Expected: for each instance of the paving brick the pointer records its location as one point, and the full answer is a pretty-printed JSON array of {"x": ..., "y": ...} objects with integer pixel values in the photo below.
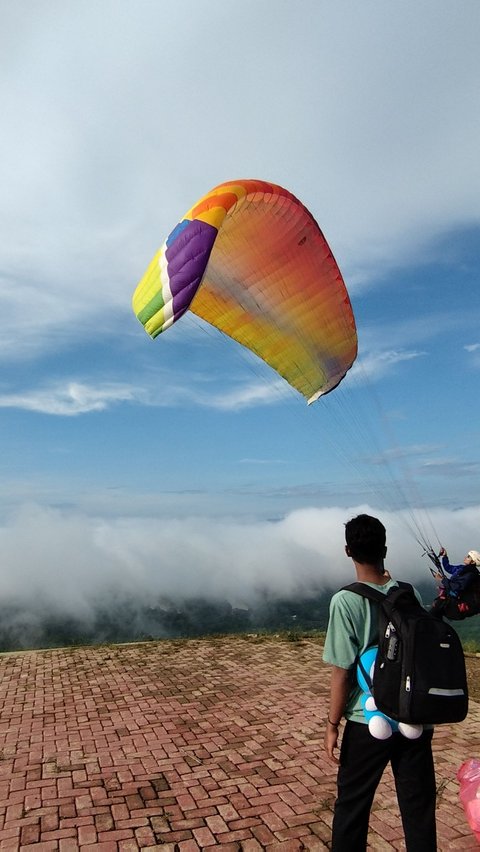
[
  {"x": 87, "y": 834},
  {"x": 263, "y": 834},
  {"x": 216, "y": 824},
  {"x": 68, "y": 845},
  {"x": 234, "y": 836},
  {"x": 174, "y": 836},
  {"x": 127, "y": 846},
  {"x": 117, "y": 836},
  {"x": 228, "y": 812},
  {"x": 29, "y": 834},
  {"x": 312, "y": 844},
  {"x": 204, "y": 837},
  {"x": 104, "y": 821},
  {"x": 144, "y": 836}
]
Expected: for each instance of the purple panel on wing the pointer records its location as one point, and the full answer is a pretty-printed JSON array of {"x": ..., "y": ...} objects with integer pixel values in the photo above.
[{"x": 187, "y": 258}]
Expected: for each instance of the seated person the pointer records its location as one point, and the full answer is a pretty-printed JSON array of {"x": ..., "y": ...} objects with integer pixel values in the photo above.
[
  {"x": 459, "y": 577},
  {"x": 456, "y": 580}
]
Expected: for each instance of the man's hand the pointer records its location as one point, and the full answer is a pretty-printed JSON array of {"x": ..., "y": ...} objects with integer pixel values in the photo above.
[
  {"x": 330, "y": 742},
  {"x": 339, "y": 690}
]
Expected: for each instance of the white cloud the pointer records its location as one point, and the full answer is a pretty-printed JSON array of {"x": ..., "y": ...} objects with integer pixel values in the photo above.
[
  {"x": 449, "y": 468},
  {"x": 248, "y": 395},
  {"x": 375, "y": 365},
  {"x": 69, "y": 399},
  {"x": 472, "y": 347},
  {"x": 74, "y": 397}
]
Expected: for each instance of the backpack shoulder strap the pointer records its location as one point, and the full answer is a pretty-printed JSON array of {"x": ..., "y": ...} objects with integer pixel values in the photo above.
[
  {"x": 364, "y": 591},
  {"x": 373, "y": 594}
]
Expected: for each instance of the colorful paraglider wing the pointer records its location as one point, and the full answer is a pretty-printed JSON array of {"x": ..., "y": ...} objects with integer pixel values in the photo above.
[{"x": 250, "y": 260}]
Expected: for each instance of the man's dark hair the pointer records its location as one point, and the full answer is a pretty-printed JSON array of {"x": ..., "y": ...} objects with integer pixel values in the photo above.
[{"x": 365, "y": 537}]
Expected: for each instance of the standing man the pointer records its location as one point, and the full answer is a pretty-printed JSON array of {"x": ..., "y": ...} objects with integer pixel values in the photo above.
[{"x": 352, "y": 628}]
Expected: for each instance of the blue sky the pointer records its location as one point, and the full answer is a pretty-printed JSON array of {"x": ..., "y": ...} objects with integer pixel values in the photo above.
[{"x": 116, "y": 117}]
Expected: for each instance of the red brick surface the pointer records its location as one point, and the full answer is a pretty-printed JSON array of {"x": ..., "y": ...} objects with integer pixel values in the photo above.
[{"x": 187, "y": 745}]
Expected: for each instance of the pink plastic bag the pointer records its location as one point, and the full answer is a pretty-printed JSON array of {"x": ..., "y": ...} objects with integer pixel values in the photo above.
[{"x": 469, "y": 778}]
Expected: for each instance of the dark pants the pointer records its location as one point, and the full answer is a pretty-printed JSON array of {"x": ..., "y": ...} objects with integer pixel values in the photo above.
[{"x": 362, "y": 762}]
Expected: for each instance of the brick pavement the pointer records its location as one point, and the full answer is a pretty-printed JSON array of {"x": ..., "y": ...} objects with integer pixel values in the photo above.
[{"x": 184, "y": 746}]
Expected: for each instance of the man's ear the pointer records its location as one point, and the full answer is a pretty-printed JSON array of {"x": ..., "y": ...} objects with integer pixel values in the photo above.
[
  {"x": 385, "y": 552},
  {"x": 347, "y": 550}
]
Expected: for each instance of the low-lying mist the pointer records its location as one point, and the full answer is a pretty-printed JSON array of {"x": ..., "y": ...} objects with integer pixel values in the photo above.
[{"x": 65, "y": 577}]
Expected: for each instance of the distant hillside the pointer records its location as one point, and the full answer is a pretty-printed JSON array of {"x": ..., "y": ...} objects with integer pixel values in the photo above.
[{"x": 129, "y": 620}]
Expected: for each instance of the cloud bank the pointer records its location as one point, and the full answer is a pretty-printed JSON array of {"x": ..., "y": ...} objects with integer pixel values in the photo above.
[{"x": 67, "y": 562}]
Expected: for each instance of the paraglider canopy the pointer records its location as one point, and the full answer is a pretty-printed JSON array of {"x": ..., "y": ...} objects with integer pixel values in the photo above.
[{"x": 250, "y": 259}]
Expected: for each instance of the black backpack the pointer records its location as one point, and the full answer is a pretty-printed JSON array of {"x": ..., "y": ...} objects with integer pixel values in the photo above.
[{"x": 419, "y": 674}]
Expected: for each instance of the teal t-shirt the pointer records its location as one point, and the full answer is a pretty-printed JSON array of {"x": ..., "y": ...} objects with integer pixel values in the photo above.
[{"x": 352, "y": 628}]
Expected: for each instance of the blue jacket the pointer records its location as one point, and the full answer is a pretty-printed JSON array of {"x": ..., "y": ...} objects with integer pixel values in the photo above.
[{"x": 461, "y": 576}]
